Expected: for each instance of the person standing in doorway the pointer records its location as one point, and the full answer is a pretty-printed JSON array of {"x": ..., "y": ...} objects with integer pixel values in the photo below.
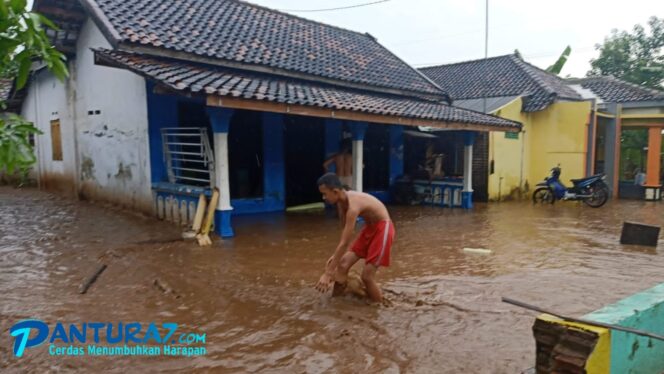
[{"x": 343, "y": 161}]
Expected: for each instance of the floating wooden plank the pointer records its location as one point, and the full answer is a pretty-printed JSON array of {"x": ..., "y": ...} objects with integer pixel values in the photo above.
[
  {"x": 479, "y": 251},
  {"x": 640, "y": 234},
  {"x": 306, "y": 207}
]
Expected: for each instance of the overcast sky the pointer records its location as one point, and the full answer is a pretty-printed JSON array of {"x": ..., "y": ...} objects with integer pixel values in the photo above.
[
  {"x": 428, "y": 32},
  {"x": 431, "y": 32}
]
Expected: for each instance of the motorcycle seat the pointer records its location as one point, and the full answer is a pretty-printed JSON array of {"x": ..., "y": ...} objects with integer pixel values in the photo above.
[{"x": 575, "y": 181}]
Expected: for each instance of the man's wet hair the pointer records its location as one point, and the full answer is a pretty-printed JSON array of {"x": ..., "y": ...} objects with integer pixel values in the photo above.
[{"x": 331, "y": 181}]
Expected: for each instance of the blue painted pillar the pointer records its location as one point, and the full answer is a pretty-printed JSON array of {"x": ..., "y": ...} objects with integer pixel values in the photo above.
[
  {"x": 274, "y": 166},
  {"x": 467, "y": 193},
  {"x": 396, "y": 153},
  {"x": 333, "y": 129},
  {"x": 358, "y": 129},
  {"x": 162, "y": 112},
  {"x": 220, "y": 118}
]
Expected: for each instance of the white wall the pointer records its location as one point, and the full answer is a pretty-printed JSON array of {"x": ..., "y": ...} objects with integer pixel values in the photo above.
[
  {"x": 110, "y": 159},
  {"x": 47, "y": 100}
]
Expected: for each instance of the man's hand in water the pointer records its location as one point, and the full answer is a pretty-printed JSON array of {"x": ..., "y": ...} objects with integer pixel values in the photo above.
[{"x": 326, "y": 280}]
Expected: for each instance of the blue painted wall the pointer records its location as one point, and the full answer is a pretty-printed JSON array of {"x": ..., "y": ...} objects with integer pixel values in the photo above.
[
  {"x": 359, "y": 129},
  {"x": 643, "y": 311},
  {"x": 162, "y": 112},
  {"x": 274, "y": 172}
]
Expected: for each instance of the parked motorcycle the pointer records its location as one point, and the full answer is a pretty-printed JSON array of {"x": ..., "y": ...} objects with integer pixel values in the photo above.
[{"x": 591, "y": 190}]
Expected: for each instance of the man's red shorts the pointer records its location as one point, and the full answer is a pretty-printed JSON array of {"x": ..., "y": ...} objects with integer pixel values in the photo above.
[{"x": 375, "y": 242}]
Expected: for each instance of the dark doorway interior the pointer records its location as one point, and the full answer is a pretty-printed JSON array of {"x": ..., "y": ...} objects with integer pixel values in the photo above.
[
  {"x": 245, "y": 155},
  {"x": 376, "y": 154},
  {"x": 481, "y": 167},
  {"x": 305, "y": 144}
]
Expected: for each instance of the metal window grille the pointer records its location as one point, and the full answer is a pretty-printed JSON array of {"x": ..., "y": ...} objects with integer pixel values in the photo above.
[{"x": 188, "y": 156}]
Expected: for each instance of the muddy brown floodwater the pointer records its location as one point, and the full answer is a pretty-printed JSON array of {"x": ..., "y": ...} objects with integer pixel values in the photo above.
[{"x": 253, "y": 296}]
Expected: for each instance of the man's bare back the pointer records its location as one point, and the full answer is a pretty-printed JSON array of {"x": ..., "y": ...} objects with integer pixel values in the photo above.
[
  {"x": 344, "y": 163},
  {"x": 366, "y": 206}
]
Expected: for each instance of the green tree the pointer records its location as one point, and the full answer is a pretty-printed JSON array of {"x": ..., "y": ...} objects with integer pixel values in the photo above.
[
  {"x": 635, "y": 57},
  {"x": 23, "y": 40}
]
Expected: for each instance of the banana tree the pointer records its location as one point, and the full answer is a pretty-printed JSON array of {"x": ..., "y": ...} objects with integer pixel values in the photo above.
[{"x": 557, "y": 67}]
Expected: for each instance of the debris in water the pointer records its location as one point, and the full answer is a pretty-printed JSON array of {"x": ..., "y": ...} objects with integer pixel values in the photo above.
[
  {"x": 189, "y": 235},
  {"x": 639, "y": 234},
  {"x": 84, "y": 287},
  {"x": 164, "y": 288},
  {"x": 479, "y": 251}
]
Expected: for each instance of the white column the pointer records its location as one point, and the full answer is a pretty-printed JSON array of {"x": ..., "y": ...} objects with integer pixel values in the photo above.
[
  {"x": 358, "y": 161},
  {"x": 468, "y": 168},
  {"x": 220, "y": 119},
  {"x": 358, "y": 129},
  {"x": 221, "y": 170},
  {"x": 467, "y": 193}
]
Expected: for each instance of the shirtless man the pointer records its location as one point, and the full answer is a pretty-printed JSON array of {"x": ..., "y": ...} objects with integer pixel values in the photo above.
[
  {"x": 373, "y": 244},
  {"x": 343, "y": 161}
]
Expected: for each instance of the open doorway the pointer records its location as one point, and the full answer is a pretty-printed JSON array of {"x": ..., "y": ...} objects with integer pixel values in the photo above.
[
  {"x": 633, "y": 162},
  {"x": 304, "y": 148},
  {"x": 245, "y": 155},
  {"x": 376, "y": 156}
]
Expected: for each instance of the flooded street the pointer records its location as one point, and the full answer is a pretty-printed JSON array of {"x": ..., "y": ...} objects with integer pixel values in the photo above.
[{"x": 253, "y": 296}]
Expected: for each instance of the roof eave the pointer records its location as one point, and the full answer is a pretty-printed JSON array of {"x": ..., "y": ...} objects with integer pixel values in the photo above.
[
  {"x": 256, "y": 68},
  {"x": 102, "y": 22},
  {"x": 317, "y": 111},
  {"x": 305, "y": 110}
]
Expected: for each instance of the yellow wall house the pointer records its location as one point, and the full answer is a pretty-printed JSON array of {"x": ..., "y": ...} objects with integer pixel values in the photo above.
[
  {"x": 628, "y": 128},
  {"x": 555, "y": 122}
]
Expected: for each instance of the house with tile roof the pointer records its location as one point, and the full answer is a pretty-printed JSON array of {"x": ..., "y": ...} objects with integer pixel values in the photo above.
[
  {"x": 171, "y": 98},
  {"x": 626, "y": 135},
  {"x": 12, "y": 98},
  {"x": 555, "y": 122}
]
